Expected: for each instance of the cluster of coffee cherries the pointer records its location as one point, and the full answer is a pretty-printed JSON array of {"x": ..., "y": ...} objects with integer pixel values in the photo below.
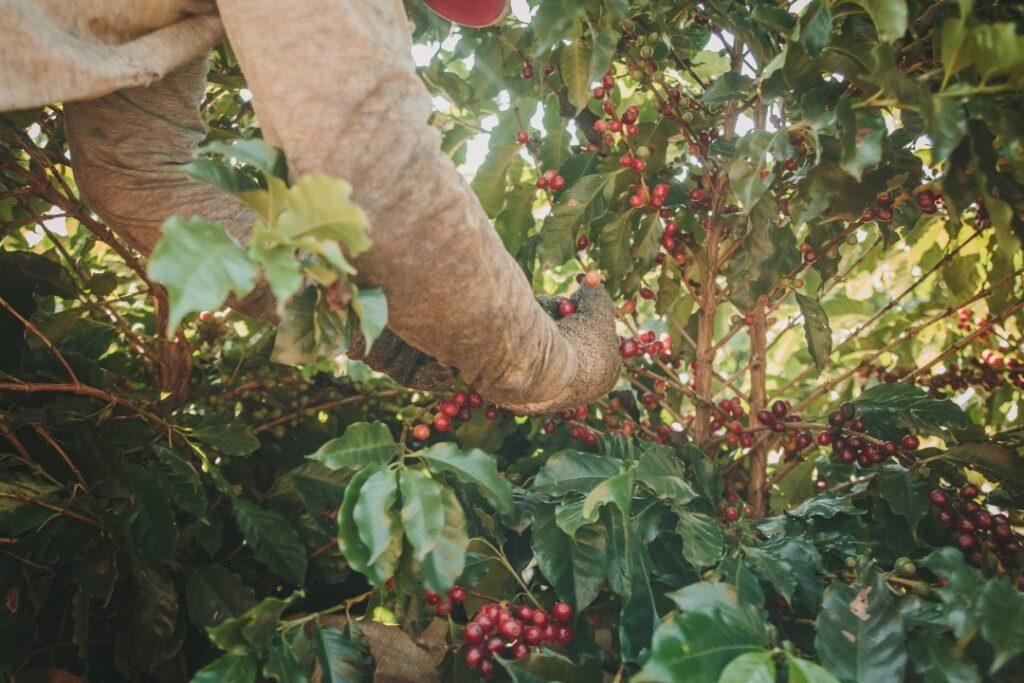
[
  {"x": 574, "y": 417},
  {"x": 647, "y": 344},
  {"x": 512, "y": 631},
  {"x": 881, "y": 211},
  {"x": 658, "y": 194},
  {"x": 459, "y": 406},
  {"x": 974, "y": 528},
  {"x": 847, "y": 441},
  {"x": 699, "y": 146},
  {"x": 527, "y": 72},
  {"x": 673, "y": 242},
  {"x": 456, "y": 596},
  {"x": 990, "y": 371},
  {"x": 551, "y": 179},
  {"x": 928, "y": 201}
]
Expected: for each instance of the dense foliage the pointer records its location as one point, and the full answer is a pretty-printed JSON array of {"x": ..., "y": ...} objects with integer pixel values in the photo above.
[{"x": 810, "y": 471}]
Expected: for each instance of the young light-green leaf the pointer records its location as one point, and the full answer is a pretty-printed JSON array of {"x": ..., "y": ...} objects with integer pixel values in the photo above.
[
  {"x": 445, "y": 562},
  {"x": 374, "y": 513},
  {"x": 200, "y": 265},
  {"x": 362, "y": 444},
  {"x": 422, "y": 511}
]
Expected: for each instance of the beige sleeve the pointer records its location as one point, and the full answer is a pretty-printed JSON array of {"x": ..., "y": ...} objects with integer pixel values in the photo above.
[
  {"x": 335, "y": 86},
  {"x": 126, "y": 149}
]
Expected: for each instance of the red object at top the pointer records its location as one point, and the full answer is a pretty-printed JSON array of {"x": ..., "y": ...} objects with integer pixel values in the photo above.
[{"x": 472, "y": 13}]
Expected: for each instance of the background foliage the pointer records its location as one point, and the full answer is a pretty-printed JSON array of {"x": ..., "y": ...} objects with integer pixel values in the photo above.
[{"x": 816, "y": 204}]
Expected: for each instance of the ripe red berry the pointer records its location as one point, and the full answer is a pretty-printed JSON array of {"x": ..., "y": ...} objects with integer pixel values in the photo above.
[
  {"x": 520, "y": 650},
  {"x": 592, "y": 278},
  {"x": 599, "y": 93},
  {"x": 533, "y": 635},
  {"x": 910, "y": 442},
  {"x": 698, "y": 195},
  {"x": 473, "y": 656},
  {"x": 457, "y": 594},
  {"x": 206, "y": 316},
  {"x": 939, "y": 498},
  {"x": 510, "y": 629},
  {"x": 557, "y": 183},
  {"x": 433, "y": 598},
  {"x": 966, "y": 542},
  {"x": 646, "y": 293},
  {"x": 522, "y": 137},
  {"x": 779, "y": 409},
  {"x": 969, "y": 491},
  {"x": 421, "y": 432},
  {"x": 561, "y": 612},
  {"x": 731, "y": 514},
  {"x": 565, "y": 636},
  {"x": 582, "y": 243},
  {"x": 474, "y": 633},
  {"x": 945, "y": 517}
]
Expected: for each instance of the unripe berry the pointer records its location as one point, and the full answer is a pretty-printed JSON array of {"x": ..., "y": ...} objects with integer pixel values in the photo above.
[{"x": 592, "y": 278}]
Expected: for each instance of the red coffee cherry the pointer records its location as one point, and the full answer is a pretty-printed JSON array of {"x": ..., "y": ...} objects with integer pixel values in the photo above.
[
  {"x": 561, "y": 612},
  {"x": 421, "y": 432},
  {"x": 457, "y": 594}
]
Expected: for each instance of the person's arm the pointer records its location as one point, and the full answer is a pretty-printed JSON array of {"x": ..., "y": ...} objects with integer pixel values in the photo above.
[
  {"x": 335, "y": 86},
  {"x": 126, "y": 150}
]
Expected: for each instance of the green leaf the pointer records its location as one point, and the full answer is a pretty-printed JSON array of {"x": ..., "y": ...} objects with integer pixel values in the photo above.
[
  {"x": 319, "y": 207},
  {"x": 860, "y": 634},
  {"x": 553, "y": 22},
  {"x": 906, "y": 494},
  {"x": 582, "y": 199},
  {"x": 273, "y": 540},
  {"x": 864, "y": 135},
  {"x": 180, "y": 482},
  {"x": 752, "y": 667},
  {"x": 816, "y": 330},
  {"x": 255, "y": 152},
  {"x": 446, "y": 562},
  {"x": 362, "y": 444},
  {"x": 309, "y": 330},
  {"x": 728, "y": 87},
  {"x": 576, "y": 566},
  {"x": 199, "y": 265},
  {"x": 341, "y": 659},
  {"x": 665, "y": 474},
  {"x": 349, "y": 542},
  {"x": 615, "y": 240},
  {"x": 825, "y": 507},
  {"x": 371, "y": 305},
  {"x": 214, "y": 593},
  {"x": 282, "y": 664},
  {"x": 816, "y": 27},
  {"x": 1002, "y": 609},
  {"x": 575, "y": 71},
  {"x": 960, "y": 595},
  {"x": 890, "y": 409},
  {"x": 617, "y": 491},
  {"x": 774, "y": 568},
  {"x": 376, "y": 520},
  {"x": 890, "y": 17},
  {"x": 696, "y": 645},
  {"x": 471, "y": 467},
  {"x": 802, "y": 670},
  {"x": 544, "y": 666},
  {"x": 422, "y": 511},
  {"x": 936, "y": 659},
  {"x": 571, "y": 470},
  {"x": 749, "y": 160},
  {"x": 996, "y": 461},
  {"x": 236, "y": 668},
  {"x": 491, "y": 180},
  {"x": 231, "y": 439},
  {"x": 150, "y": 519},
  {"x": 702, "y": 538}
]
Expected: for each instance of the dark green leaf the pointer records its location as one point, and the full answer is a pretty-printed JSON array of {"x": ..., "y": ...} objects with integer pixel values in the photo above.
[
  {"x": 890, "y": 409},
  {"x": 214, "y": 593},
  {"x": 544, "y": 666},
  {"x": 663, "y": 471},
  {"x": 150, "y": 519},
  {"x": 576, "y": 567},
  {"x": 575, "y": 71},
  {"x": 752, "y": 667},
  {"x": 445, "y": 563},
  {"x": 816, "y": 330},
  {"x": 273, "y": 540},
  {"x": 702, "y": 538},
  {"x": 422, "y": 511},
  {"x": 471, "y": 467},
  {"x": 376, "y": 519},
  {"x": 231, "y": 439},
  {"x": 231, "y": 668}
]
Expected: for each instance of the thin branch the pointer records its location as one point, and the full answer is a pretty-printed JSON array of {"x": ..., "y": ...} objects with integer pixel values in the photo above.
[{"x": 42, "y": 337}]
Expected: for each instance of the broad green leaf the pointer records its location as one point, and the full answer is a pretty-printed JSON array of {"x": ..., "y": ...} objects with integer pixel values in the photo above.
[
  {"x": 273, "y": 540},
  {"x": 200, "y": 265},
  {"x": 752, "y": 667},
  {"x": 962, "y": 592},
  {"x": 575, "y": 71},
  {"x": 615, "y": 241},
  {"x": 221, "y": 175},
  {"x": 320, "y": 207},
  {"x": 575, "y": 567},
  {"x": 702, "y": 538},
  {"x": 231, "y": 439},
  {"x": 747, "y": 164},
  {"x": 774, "y": 568},
  {"x": 254, "y": 152},
  {"x": 149, "y": 517},
  {"x": 727, "y": 87},
  {"x": 214, "y": 593},
  {"x": 422, "y": 511},
  {"x": 890, "y": 17},
  {"x": 889, "y": 410},
  {"x": 371, "y": 305},
  {"x": 376, "y": 520},
  {"x": 805, "y": 671},
  {"x": 860, "y": 634},
  {"x": 491, "y": 180},
  {"x": 362, "y": 444},
  {"x": 1002, "y": 609},
  {"x": 544, "y": 666},
  {"x": 825, "y": 507},
  {"x": 180, "y": 481},
  {"x": 996, "y": 461},
  {"x": 864, "y": 135},
  {"x": 661, "y": 470},
  {"x": 446, "y": 561},
  {"x": 282, "y": 664},
  {"x": 936, "y": 659},
  {"x": 255, "y": 629},
  {"x": 231, "y": 668},
  {"x": 471, "y": 467},
  {"x": 617, "y": 491},
  {"x": 582, "y": 199},
  {"x": 349, "y": 543},
  {"x": 309, "y": 330},
  {"x": 341, "y": 659},
  {"x": 816, "y": 27},
  {"x": 516, "y": 219},
  {"x": 553, "y": 23},
  {"x": 906, "y": 494},
  {"x": 629, "y": 574},
  {"x": 816, "y": 330}
]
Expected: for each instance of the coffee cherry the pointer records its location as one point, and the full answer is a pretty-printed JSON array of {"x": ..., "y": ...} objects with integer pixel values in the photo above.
[
  {"x": 945, "y": 518},
  {"x": 646, "y": 293},
  {"x": 910, "y": 442},
  {"x": 510, "y": 629},
  {"x": 592, "y": 278},
  {"x": 474, "y": 633},
  {"x": 824, "y": 438},
  {"x": 557, "y": 183},
  {"x": 421, "y": 432},
  {"x": 522, "y": 137},
  {"x": 599, "y": 93},
  {"x": 939, "y": 498},
  {"x": 474, "y": 656},
  {"x": 566, "y": 308},
  {"x": 731, "y": 515},
  {"x": 969, "y": 491},
  {"x": 457, "y": 594},
  {"x": 966, "y": 542},
  {"x": 561, "y": 612},
  {"x": 433, "y": 598},
  {"x": 533, "y": 635},
  {"x": 698, "y": 195},
  {"x": 582, "y": 243},
  {"x": 520, "y": 650},
  {"x": 494, "y": 644},
  {"x": 442, "y": 422},
  {"x": 779, "y": 409},
  {"x": 486, "y": 668}
]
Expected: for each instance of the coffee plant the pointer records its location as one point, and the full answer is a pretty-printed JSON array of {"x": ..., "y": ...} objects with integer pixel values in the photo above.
[{"x": 810, "y": 217}]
